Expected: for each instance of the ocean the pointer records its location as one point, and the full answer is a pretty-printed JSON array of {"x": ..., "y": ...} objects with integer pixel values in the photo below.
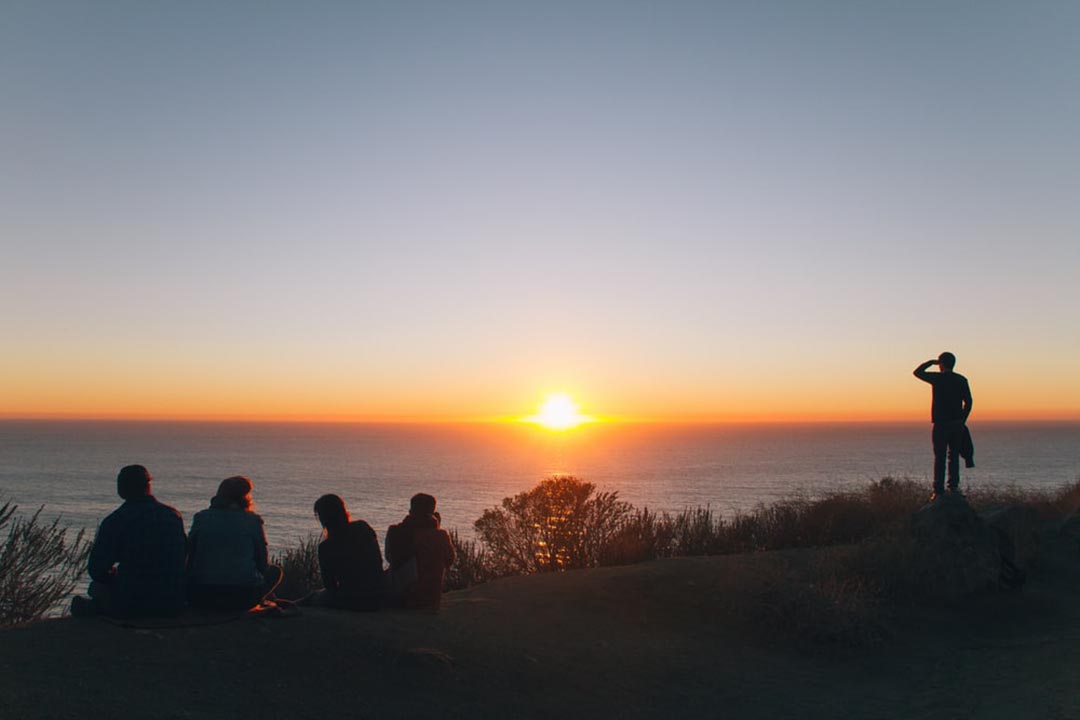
[{"x": 70, "y": 466}]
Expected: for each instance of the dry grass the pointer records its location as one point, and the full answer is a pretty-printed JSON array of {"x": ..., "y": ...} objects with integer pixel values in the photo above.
[
  {"x": 816, "y": 604},
  {"x": 39, "y": 565},
  {"x": 836, "y": 600},
  {"x": 300, "y": 564},
  {"x": 1053, "y": 504},
  {"x": 472, "y": 566},
  {"x": 517, "y": 538},
  {"x": 834, "y": 519},
  {"x": 563, "y": 523}
]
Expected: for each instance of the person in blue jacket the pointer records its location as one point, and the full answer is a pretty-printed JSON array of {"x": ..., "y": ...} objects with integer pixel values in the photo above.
[{"x": 228, "y": 567}]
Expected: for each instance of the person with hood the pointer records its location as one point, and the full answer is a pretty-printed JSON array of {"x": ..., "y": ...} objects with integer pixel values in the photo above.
[{"x": 419, "y": 553}]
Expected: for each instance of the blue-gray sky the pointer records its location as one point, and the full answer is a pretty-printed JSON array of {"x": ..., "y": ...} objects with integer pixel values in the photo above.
[{"x": 723, "y": 210}]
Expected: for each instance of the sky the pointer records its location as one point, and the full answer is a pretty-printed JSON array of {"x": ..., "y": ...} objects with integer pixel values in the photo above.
[{"x": 733, "y": 211}]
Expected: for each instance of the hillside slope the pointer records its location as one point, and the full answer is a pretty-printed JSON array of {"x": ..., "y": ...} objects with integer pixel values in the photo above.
[{"x": 648, "y": 640}]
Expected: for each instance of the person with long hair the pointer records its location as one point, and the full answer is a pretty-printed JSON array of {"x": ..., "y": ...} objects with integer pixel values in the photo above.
[
  {"x": 349, "y": 559},
  {"x": 228, "y": 567}
]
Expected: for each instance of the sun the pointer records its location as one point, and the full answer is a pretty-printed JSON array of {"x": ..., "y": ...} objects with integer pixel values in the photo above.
[{"x": 559, "y": 412}]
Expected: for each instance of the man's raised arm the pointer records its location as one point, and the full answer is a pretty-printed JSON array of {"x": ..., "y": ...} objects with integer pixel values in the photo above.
[{"x": 920, "y": 372}]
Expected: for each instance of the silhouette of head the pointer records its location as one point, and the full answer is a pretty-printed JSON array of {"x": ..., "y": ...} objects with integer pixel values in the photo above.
[
  {"x": 235, "y": 490},
  {"x": 422, "y": 504},
  {"x": 133, "y": 481},
  {"x": 946, "y": 361},
  {"x": 330, "y": 509}
]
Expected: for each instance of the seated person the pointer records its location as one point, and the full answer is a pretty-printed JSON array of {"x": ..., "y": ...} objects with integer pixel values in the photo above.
[
  {"x": 349, "y": 559},
  {"x": 228, "y": 567},
  {"x": 419, "y": 552},
  {"x": 136, "y": 565}
]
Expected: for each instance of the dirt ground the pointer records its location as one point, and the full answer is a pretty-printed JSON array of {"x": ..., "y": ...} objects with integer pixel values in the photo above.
[{"x": 645, "y": 641}]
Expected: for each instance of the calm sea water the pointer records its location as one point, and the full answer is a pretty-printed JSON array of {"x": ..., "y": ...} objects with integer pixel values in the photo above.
[{"x": 70, "y": 467}]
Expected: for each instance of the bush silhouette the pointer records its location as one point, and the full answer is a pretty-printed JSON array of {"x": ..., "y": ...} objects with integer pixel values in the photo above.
[
  {"x": 561, "y": 524},
  {"x": 39, "y": 565},
  {"x": 472, "y": 566}
]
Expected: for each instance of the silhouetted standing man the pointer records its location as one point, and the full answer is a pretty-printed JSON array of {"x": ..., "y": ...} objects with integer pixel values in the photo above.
[{"x": 949, "y": 412}]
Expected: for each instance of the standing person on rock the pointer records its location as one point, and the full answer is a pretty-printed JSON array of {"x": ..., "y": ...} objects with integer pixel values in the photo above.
[{"x": 949, "y": 413}]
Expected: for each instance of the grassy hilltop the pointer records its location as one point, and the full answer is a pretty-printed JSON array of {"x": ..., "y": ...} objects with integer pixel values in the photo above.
[
  {"x": 769, "y": 629},
  {"x": 648, "y": 640}
]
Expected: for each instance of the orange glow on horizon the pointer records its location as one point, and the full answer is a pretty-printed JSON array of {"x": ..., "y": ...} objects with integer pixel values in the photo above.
[
  {"x": 998, "y": 416},
  {"x": 100, "y": 388},
  {"x": 551, "y": 419}
]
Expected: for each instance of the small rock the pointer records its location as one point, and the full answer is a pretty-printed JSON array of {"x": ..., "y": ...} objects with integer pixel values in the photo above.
[
  {"x": 1017, "y": 530},
  {"x": 1071, "y": 527}
]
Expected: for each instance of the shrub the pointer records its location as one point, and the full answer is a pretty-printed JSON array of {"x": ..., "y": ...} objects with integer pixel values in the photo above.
[
  {"x": 1054, "y": 504},
  {"x": 696, "y": 531},
  {"x": 300, "y": 564},
  {"x": 39, "y": 565},
  {"x": 833, "y": 519},
  {"x": 472, "y": 566},
  {"x": 1061, "y": 504},
  {"x": 643, "y": 535},
  {"x": 560, "y": 524},
  {"x": 892, "y": 499},
  {"x": 563, "y": 523}
]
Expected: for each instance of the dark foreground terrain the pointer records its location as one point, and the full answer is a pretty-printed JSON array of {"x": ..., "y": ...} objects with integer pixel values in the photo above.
[{"x": 661, "y": 639}]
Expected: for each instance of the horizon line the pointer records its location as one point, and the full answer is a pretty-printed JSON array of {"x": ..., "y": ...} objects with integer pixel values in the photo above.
[{"x": 510, "y": 420}]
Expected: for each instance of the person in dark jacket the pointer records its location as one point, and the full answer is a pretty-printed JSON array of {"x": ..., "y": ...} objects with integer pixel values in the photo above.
[
  {"x": 136, "y": 565},
  {"x": 228, "y": 568},
  {"x": 349, "y": 559},
  {"x": 949, "y": 412},
  {"x": 419, "y": 553}
]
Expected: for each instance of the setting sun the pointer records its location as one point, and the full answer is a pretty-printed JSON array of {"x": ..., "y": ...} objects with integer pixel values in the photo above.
[{"x": 558, "y": 412}]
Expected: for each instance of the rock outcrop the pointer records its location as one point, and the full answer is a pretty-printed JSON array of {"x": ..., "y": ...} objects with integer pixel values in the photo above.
[{"x": 955, "y": 552}]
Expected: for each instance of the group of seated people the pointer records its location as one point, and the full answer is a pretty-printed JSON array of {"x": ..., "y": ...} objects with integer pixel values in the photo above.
[{"x": 142, "y": 563}]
